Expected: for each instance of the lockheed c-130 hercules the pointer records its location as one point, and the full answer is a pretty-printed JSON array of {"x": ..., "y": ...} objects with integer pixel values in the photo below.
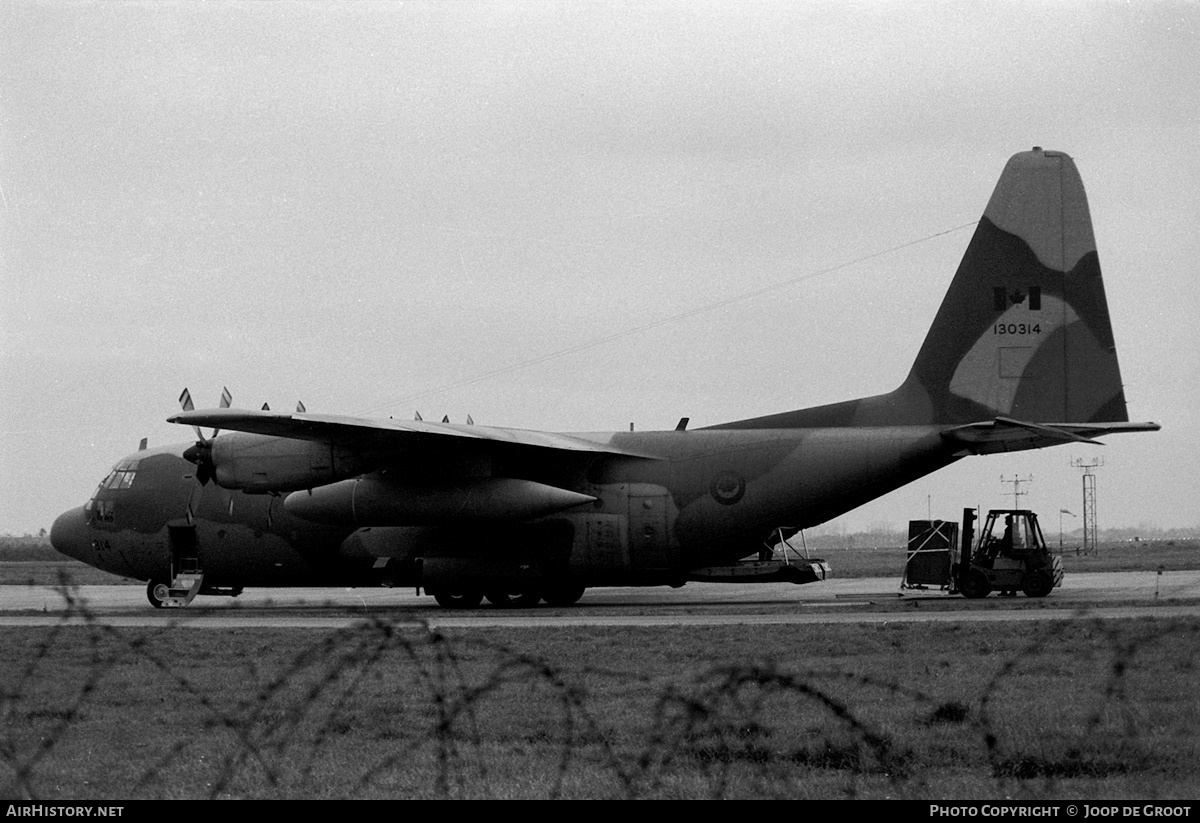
[{"x": 1020, "y": 356}]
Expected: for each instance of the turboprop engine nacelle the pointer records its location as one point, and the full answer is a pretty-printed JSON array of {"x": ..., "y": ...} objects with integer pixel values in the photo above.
[
  {"x": 373, "y": 501},
  {"x": 262, "y": 463}
]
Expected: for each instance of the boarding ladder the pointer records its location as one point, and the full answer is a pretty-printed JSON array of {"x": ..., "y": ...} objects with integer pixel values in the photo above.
[{"x": 186, "y": 575}]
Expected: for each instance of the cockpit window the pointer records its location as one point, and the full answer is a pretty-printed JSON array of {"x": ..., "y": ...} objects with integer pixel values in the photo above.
[
  {"x": 118, "y": 480},
  {"x": 121, "y": 477}
]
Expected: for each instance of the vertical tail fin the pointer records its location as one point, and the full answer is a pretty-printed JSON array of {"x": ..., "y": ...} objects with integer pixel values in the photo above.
[
  {"x": 1024, "y": 329},
  {"x": 1023, "y": 332}
]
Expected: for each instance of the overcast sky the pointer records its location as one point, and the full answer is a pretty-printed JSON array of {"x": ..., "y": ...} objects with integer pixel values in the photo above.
[{"x": 568, "y": 216}]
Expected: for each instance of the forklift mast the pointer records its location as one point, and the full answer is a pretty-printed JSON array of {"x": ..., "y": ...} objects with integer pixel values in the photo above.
[{"x": 968, "y": 535}]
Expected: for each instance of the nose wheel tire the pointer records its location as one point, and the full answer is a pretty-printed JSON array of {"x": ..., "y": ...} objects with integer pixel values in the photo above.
[{"x": 157, "y": 592}]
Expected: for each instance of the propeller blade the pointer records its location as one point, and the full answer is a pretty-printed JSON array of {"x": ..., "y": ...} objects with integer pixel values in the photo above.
[
  {"x": 185, "y": 402},
  {"x": 223, "y": 403}
]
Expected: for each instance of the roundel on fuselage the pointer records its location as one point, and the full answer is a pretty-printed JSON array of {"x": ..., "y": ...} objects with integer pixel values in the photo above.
[{"x": 728, "y": 487}]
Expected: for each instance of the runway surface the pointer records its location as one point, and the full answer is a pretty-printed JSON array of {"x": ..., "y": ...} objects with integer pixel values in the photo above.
[{"x": 861, "y": 600}]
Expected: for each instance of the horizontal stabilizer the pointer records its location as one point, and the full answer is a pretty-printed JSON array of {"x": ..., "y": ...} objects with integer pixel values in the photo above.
[{"x": 1007, "y": 435}]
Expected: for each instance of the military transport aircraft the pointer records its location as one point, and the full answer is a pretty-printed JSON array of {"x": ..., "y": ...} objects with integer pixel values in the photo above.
[{"x": 1020, "y": 356}]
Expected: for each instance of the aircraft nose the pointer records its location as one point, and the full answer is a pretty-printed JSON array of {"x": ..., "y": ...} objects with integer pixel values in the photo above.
[{"x": 70, "y": 535}]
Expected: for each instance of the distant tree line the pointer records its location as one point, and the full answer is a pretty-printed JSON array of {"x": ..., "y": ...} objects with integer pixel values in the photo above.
[{"x": 27, "y": 547}]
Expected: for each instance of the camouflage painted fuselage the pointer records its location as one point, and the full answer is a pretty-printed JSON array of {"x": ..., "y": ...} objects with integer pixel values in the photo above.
[{"x": 702, "y": 498}]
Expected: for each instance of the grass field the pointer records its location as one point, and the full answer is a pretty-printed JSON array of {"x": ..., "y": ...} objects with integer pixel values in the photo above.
[{"x": 1087, "y": 709}]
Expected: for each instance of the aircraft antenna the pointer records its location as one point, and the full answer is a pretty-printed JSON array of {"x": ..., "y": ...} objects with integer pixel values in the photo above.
[{"x": 653, "y": 324}]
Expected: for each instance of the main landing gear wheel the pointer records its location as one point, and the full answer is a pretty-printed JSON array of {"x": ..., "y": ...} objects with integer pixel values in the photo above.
[
  {"x": 514, "y": 599},
  {"x": 1037, "y": 584},
  {"x": 975, "y": 585},
  {"x": 563, "y": 594},
  {"x": 458, "y": 600},
  {"x": 157, "y": 591}
]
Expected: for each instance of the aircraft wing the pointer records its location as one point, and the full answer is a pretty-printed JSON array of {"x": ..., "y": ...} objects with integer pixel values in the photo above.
[
  {"x": 1005, "y": 434},
  {"x": 389, "y": 435}
]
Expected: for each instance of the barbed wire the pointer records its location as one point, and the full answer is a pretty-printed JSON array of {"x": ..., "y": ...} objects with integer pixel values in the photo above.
[{"x": 389, "y": 709}]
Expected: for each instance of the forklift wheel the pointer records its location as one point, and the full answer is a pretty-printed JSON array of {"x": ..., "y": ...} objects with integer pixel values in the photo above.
[
  {"x": 975, "y": 585},
  {"x": 1037, "y": 584}
]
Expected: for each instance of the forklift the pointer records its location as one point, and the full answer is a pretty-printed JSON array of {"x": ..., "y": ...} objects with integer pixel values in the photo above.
[{"x": 1010, "y": 554}]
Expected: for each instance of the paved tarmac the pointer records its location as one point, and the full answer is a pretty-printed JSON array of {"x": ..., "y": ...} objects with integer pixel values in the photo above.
[{"x": 862, "y": 600}]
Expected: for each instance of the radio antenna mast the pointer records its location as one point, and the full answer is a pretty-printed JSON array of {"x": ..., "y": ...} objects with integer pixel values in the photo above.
[
  {"x": 1089, "y": 500},
  {"x": 1016, "y": 484}
]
